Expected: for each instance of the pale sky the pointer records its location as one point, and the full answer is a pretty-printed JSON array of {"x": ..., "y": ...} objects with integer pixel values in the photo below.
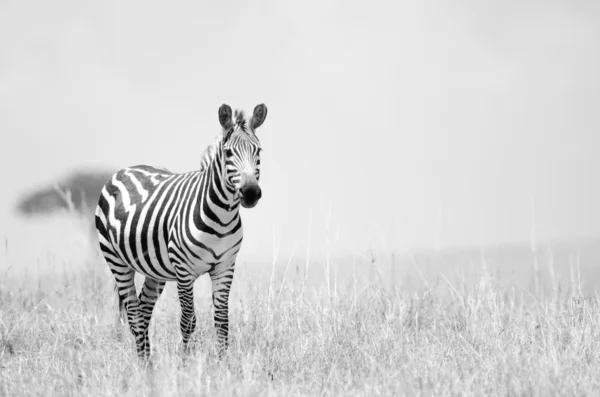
[{"x": 390, "y": 123}]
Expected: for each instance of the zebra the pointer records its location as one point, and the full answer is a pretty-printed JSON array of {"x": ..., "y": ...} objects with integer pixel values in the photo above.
[{"x": 178, "y": 226}]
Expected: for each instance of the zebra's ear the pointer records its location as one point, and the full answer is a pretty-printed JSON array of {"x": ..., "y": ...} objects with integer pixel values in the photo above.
[
  {"x": 225, "y": 117},
  {"x": 259, "y": 116}
]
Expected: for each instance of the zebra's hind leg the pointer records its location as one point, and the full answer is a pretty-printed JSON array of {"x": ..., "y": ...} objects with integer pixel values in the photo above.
[
  {"x": 125, "y": 282},
  {"x": 147, "y": 300}
]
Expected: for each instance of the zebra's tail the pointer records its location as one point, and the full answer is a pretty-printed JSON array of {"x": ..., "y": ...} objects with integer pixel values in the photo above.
[{"x": 122, "y": 314}]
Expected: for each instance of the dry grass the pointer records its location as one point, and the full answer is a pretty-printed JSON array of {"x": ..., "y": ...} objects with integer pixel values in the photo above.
[{"x": 481, "y": 336}]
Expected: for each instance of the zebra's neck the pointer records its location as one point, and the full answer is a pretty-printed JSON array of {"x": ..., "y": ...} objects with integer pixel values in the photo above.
[
  {"x": 217, "y": 209},
  {"x": 218, "y": 187}
]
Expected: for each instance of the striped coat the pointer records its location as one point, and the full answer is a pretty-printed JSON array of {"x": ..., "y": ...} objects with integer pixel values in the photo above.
[{"x": 177, "y": 227}]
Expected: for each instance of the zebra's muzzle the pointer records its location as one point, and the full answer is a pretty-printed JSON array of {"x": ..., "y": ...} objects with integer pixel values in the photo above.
[{"x": 251, "y": 193}]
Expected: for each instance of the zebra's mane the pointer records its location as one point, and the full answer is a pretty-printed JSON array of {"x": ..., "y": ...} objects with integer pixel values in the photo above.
[
  {"x": 240, "y": 119},
  {"x": 207, "y": 156},
  {"x": 210, "y": 151}
]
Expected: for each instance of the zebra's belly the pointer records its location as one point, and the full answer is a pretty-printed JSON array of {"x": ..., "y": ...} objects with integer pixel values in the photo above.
[{"x": 153, "y": 264}]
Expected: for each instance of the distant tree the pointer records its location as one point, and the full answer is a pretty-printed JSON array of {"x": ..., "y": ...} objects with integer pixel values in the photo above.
[{"x": 78, "y": 191}]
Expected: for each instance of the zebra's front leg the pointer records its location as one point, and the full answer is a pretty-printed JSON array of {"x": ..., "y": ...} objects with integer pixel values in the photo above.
[
  {"x": 221, "y": 278},
  {"x": 187, "y": 323}
]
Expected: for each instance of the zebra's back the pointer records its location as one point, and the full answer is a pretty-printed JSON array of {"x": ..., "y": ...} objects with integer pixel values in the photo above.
[{"x": 135, "y": 213}]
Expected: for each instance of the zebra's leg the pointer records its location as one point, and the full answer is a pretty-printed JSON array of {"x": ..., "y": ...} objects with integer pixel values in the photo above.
[
  {"x": 187, "y": 324},
  {"x": 221, "y": 279},
  {"x": 125, "y": 280},
  {"x": 147, "y": 298}
]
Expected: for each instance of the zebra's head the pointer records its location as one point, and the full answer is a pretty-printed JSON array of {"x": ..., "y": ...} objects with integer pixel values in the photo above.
[{"x": 241, "y": 151}]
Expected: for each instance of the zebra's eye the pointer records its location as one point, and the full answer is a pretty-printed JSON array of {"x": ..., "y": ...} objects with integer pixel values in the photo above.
[{"x": 228, "y": 152}]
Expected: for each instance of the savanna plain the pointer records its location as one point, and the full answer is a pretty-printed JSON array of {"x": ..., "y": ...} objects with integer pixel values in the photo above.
[{"x": 309, "y": 325}]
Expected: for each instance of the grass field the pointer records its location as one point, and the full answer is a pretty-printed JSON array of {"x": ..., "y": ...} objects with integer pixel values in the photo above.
[{"x": 366, "y": 329}]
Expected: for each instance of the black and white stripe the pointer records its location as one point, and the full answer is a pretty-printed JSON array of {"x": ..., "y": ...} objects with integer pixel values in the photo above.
[{"x": 177, "y": 227}]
